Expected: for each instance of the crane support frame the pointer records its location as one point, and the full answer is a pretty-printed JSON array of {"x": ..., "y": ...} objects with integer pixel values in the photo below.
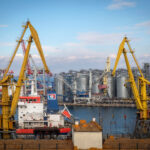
[
  {"x": 9, "y": 106},
  {"x": 140, "y": 97}
]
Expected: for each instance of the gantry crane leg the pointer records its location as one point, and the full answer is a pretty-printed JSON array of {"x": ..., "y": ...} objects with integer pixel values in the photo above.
[
  {"x": 5, "y": 111},
  {"x": 6, "y": 123},
  {"x": 142, "y": 128}
]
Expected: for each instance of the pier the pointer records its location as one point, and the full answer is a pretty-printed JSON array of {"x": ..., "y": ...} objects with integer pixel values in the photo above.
[{"x": 104, "y": 103}]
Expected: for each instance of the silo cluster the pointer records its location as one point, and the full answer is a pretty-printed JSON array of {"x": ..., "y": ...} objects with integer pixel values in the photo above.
[
  {"x": 146, "y": 70},
  {"x": 111, "y": 86},
  {"x": 59, "y": 87},
  {"x": 121, "y": 87},
  {"x": 82, "y": 80},
  {"x": 81, "y": 84}
]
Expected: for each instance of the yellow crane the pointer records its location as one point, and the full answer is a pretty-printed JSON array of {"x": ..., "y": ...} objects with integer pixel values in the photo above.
[
  {"x": 142, "y": 128},
  {"x": 7, "y": 122}
]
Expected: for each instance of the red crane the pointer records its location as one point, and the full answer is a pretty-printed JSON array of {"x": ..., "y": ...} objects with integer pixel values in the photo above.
[{"x": 28, "y": 63}]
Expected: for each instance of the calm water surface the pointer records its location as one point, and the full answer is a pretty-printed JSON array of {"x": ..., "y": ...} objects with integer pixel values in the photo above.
[{"x": 114, "y": 120}]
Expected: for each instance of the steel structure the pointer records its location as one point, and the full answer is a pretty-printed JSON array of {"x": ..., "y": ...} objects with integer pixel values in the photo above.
[
  {"x": 28, "y": 63},
  {"x": 9, "y": 105},
  {"x": 105, "y": 78},
  {"x": 140, "y": 95}
]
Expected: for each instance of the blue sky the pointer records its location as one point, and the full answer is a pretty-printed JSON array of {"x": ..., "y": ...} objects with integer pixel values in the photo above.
[{"x": 76, "y": 34}]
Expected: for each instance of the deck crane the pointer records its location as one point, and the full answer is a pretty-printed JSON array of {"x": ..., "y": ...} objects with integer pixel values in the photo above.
[
  {"x": 142, "y": 128},
  {"x": 7, "y": 122}
]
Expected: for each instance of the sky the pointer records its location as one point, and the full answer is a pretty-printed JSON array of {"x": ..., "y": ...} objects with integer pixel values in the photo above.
[{"x": 75, "y": 34}]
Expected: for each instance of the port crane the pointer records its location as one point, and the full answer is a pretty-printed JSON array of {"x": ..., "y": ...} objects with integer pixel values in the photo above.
[
  {"x": 7, "y": 122},
  {"x": 35, "y": 71},
  {"x": 142, "y": 128}
]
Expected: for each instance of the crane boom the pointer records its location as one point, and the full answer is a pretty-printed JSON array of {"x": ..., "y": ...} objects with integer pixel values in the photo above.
[
  {"x": 20, "y": 80},
  {"x": 11, "y": 60},
  {"x": 29, "y": 71},
  {"x": 132, "y": 52},
  {"x": 133, "y": 84},
  {"x": 38, "y": 45},
  {"x": 8, "y": 106},
  {"x": 118, "y": 55}
]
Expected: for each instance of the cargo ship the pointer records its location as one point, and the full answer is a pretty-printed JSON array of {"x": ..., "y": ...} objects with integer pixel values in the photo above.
[{"x": 39, "y": 120}]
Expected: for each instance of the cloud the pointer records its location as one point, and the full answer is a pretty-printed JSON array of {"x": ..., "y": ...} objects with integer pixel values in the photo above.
[
  {"x": 72, "y": 58},
  {"x": 5, "y": 44},
  {"x": 72, "y": 44},
  {"x": 90, "y": 51},
  {"x": 47, "y": 49},
  {"x": 120, "y": 4},
  {"x": 96, "y": 60},
  {"x": 64, "y": 64},
  {"x": 143, "y": 24},
  {"x": 135, "y": 29},
  {"x": 112, "y": 56},
  {"x": 50, "y": 49},
  {"x": 98, "y": 38},
  {"x": 3, "y": 26},
  {"x": 146, "y": 55},
  {"x": 34, "y": 56},
  {"x": 19, "y": 55},
  {"x": 143, "y": 59}
]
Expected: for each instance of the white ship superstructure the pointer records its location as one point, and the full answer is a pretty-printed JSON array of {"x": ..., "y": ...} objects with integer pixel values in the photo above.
[{"x": 30, "y": 115}]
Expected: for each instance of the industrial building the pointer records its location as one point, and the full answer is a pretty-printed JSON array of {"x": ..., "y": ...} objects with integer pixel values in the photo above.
[
  {"x": 88, "y": 86},
  {"x": 87, "y": 135}
]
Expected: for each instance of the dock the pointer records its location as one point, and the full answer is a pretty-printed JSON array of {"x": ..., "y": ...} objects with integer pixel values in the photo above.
[
  {"x": 22, "y": 144},
  {"x": 107, "y": 103},
  {"x": 126, "y": 144},
  {"x": 109, "y": 144}
]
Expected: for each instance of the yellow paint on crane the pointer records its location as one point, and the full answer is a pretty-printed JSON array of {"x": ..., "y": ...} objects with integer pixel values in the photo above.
[
  {"x": 140, "y": 96},
  {"x": 8, "y": 106}
]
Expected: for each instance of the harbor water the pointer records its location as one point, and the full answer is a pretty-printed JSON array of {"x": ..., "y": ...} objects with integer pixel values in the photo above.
[{"x": 114, "y": 120}]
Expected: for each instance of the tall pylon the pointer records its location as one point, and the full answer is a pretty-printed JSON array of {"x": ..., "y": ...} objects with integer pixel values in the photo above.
[{"x": 105, "y": 78}]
